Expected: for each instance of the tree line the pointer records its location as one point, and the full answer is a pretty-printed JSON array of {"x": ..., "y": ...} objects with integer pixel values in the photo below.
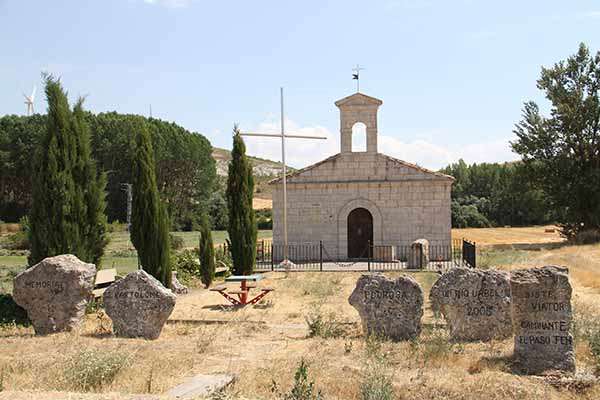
[
  {"x": 185, "y": 169},
  {"x": 496, "y": 194},
  {"x": 558, "y": 177}
]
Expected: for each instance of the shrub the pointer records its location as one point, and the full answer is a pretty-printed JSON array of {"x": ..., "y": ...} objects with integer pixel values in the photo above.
[
  {"x": 177, "y": 242},
  {"x": 323, "y": 325},
  {"x": 92, "y": 369},
  {"x": 117, "y": 226},
  {"x": 17, "y": 241},
  {"x": 264, "y": 223},
  {"x": 303, "y": 389},
  {"x": 186, "y": 264},
  {"x": 11, "y": 312},
  {"x": 589, "y": 236},
  {"x": 377, "y": 380},
  {"x": 264, "y": 219},
  {"x": 223, "y": 258}
]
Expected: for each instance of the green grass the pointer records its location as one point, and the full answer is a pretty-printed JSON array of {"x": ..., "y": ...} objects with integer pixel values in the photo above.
[
  {"x": 119, "y": 241},
  {"x": 119, "y": 254}
]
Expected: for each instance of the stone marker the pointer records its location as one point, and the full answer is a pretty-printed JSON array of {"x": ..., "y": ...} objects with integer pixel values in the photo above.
[
  {"x": 139, "y": 305},
  {"x": 55, "y": 292},
  {"x": 541, "y": 313},
  {"x": 418, "y": 256},
  {"x": 391, "y": 308},
  {"x": 176, "y": 286},
  {"x": 475, "y": 303},
  {"x": 201, "y": 386}
]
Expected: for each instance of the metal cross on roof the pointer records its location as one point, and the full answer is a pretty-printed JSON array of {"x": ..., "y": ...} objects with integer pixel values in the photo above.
[{"x": 356, "y": 76}]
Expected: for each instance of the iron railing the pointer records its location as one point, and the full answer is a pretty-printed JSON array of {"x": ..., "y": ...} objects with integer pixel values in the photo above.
[{"x": 316, "y": 257}]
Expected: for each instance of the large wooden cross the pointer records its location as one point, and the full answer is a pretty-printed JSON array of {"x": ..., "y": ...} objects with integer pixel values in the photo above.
[{"x": 283, "y": 136}]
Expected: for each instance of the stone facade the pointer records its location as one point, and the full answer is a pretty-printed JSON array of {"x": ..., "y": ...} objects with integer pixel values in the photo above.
[{"x": 406, "y": 202}]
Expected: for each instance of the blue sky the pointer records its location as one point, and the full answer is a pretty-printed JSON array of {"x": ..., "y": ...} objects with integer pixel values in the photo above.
[{"x": 453, "y": 75}]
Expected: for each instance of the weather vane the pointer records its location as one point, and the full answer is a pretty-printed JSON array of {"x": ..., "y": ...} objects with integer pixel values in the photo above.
[{"x": 356, "y": 76}]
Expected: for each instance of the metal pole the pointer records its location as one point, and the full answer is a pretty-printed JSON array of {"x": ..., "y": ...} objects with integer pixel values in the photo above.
[
  {"x": 321, "y": 255},
  {"x": 284, "y": 172},
  {"x": 368, "y": 258}
]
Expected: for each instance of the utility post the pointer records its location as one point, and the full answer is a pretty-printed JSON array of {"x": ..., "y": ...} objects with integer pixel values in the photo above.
[{"x": 127, "y": 187}]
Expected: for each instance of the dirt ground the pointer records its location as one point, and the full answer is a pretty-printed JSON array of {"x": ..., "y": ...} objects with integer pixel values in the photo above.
[{"x": 263, "y": 346}]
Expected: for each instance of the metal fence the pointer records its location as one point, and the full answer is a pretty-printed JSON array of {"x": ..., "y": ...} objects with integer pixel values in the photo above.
[{"x": 316, "y": 257}]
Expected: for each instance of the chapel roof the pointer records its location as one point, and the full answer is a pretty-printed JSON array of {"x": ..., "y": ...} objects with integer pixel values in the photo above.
[
  {"x": 358, "y": 99},
  {"x": 392, "y": 159}
]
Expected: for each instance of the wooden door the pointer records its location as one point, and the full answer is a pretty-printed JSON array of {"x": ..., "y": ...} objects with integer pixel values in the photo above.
[{"x": 360, "y": 233}]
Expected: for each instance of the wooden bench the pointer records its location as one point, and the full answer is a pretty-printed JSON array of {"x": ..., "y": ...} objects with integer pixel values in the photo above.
[
  {"x": 219, "y": 288},
  {"x": 104, "y": 278}
]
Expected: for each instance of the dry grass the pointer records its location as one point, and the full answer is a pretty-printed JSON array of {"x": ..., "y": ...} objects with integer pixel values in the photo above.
[
  {"x": 262, "y": 204},
  {"x": 266, "y": 342},
  {"x": 506, "y": 236},
  {"x": 9, "y": 228}
]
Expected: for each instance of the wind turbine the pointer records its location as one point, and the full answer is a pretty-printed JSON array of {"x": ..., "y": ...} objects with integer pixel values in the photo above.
[{"x": 29, "y": 101}]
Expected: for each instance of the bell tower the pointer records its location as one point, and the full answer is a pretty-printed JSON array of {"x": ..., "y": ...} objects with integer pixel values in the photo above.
[{"x": 358, "y": 108}]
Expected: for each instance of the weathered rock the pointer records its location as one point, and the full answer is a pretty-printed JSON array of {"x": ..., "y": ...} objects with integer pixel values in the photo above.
[
  {"x": 418, "y": 256},
  {"x": 176, "y": 286},
  {"x": 200, "y": 386},
  {"x": 390, "y": 308},
  {"x": 541, "y": 313},
  {"x": 475, "y": 303},
  {"x": 55, "y": 292},
  {"x": 139, "y": 305}
]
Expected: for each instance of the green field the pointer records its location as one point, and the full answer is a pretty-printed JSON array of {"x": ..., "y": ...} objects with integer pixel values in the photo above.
[{"x": 119, "y": 254}]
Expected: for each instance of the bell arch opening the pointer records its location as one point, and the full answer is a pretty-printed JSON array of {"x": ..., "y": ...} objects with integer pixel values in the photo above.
[{"x": 359, "y": 137}]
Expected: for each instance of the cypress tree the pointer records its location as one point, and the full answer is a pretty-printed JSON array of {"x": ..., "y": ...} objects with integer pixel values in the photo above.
[
  {"x": 149, "y": 220},
  {"x": 91, "y": 196},
  {"x": 67, "y": 214},
  {"x": 242, "y": 224},
  {"x": 207, "y": 252}
]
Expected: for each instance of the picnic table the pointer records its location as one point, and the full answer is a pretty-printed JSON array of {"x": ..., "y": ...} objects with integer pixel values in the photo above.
[{"x": 245, "y": 287}]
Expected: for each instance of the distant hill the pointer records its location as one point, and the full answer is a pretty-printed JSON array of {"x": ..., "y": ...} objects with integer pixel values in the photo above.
[{"x": 264, "y": 170}]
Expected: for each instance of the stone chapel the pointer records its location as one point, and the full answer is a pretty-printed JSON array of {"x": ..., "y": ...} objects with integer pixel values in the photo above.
[{"x": 354, "y": 198}]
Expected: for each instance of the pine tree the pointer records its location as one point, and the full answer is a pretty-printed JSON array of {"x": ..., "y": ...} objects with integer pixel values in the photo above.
[
  {"x": 207, "y": 252},
  {"x": 67, "y": 214},
  {"x": 242, "y": 224},
  {"x": 149, "y": 220}
]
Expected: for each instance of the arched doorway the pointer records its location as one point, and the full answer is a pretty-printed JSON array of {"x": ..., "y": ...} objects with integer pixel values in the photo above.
[{"x": 360, "y": 233}]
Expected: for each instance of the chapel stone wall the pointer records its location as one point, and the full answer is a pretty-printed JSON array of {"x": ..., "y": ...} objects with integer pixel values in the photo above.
[{"x": 405, "y": 205}]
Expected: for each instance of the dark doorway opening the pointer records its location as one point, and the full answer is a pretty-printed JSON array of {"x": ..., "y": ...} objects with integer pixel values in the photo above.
[{"x": 360, "y": 233}]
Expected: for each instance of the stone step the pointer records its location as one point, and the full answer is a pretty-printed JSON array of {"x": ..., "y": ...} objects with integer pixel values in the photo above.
[{"x": 201, "y": 385}]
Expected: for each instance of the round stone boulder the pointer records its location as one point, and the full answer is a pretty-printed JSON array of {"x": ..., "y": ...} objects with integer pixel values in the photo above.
[
  {"x": 389, "y": 308},
  {"x": 138, "y": 305},
  {"x": 475, "y": 303},
  {"x": 55, "y": 292}
]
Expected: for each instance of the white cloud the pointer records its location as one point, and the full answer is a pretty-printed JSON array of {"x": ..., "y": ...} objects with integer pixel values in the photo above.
[
  {"x": 299, "y": 152},
  {"x": 303, "y": 152},
  {"x": 170, "y": 3}
]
